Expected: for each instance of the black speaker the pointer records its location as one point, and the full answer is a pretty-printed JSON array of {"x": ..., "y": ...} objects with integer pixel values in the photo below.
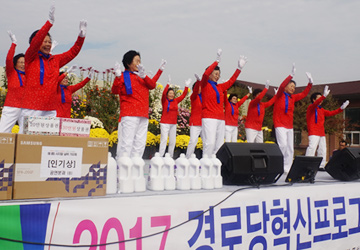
[
  {"x": 304, "y": 169},
  {"x": 345, "y": 164},
  {"x": 250, "y": 163}
]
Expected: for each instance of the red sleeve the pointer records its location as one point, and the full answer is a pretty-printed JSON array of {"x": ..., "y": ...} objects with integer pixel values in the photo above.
[
  {"x": 61, "y": 77},
  {"x": 260, "y": 96},
  {"x": 334, "y": 112},
  {"x": 270, "y": 102},
  {"x": 195, "y": 91},
  {"x": 163, "y": 97},
  {"x": 226, "y": 85},
  {"x": 76, "y": 87},
  {"x": 207, "y": 73},
  {"x": 303, "y": 94},
  {"x": 36, "y": 42},
  {"x": 283, "y": 85},
  {"x": 226, "y": 101},
  {"x": 149, "y": 83},
  {"x": 316, "y": 103},
  {"x": 115, "y": 89},
  {"x": 69, "y": 55},
  {"x": 9, "y": 59},
  {"x": 242, "y": 100},
  {"x": 180, "y": 98},
  {"x": 157, "y": 75}
]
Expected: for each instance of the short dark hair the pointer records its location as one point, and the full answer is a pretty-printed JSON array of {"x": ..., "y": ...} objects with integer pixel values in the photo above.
[
  {"x": 216, "y": 68},
  {"x": 129, "y": 57},
  {"x": 231, "y": 96},
  {"x": 34, "y": 34},
  {"x": 313, "y": 96},
  {"x": 17, "y": 57},
  {"x": 170, "y": 89},
  {"x": 256, "y": 92},
  {"x": 343, "y": 141},
  {"x": 292, "y": 81}
]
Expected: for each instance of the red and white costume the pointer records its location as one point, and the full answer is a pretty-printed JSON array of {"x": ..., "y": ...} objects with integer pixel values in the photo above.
[
  {"x": 213, "y": 118},
  {"x": 65, "y": 97},
  {"x": 283, "y": 120},
  {"x": 231, "y": 118},
  {"x": 42, "y": 72},
  {"x": 134, "y": 113},
  {"x": 315, "y": 118},
  {"x": 255, "y": 117},
  {"x": 195, "y": 119},
  {"x": 169, "y": 120},
  {"x": 16, "y": 82}
]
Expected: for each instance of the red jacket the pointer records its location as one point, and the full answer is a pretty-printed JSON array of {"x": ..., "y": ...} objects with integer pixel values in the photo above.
[
  {"x": 280, "y": 117},
  {"x": 170, "y": 117},
  {"x": 254, "y": 120},
  {"x": 137, "y": 103},
  {"x": 43, "y": 97},
  {"x": 210, "y": 107},
  {"x": 15, "y": 90},
  {"x": 63, "y": 109},
  {"x": 232, "y": 119},
  {"x": 315, "y": 124},
  {"x": 196, "y": 106}
]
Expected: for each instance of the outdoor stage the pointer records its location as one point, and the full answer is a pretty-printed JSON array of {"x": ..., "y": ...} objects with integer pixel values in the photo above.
[{"x": 324, "y": 215}]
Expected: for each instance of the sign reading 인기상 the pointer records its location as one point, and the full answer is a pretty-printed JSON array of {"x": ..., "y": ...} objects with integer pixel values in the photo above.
[{"x": 61, "y": 162}]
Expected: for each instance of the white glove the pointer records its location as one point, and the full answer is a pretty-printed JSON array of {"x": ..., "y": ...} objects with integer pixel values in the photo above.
[
  {"x": 141, "y": 71},
  {"x": 117, "y": 69},
  {"x": 52, "y": 13},
  {"x": 72, "y": 69},
  {"x": 309, "y": 77},
  {"x": 53, "y": 45},
  {"x": 218, "y": 55},
  {"x": 250, "y": 89},
  {"x": 242, "y": 61},
  {"x": 162, "y": 64},
  {"x": 91, "y": 73},
  {"x": 275, "y": 90},
  {"x": 345, "y": 104},
  {"x": 83, "y": 27},
  {"x": 197, "y": 77},
  {"x": 187, "y": 82},
  {"x": 12, "y": 37},
  {"x": 326, "y": 91},
  {"x": 267, "y": 84},
  {"x": 293, "y": 70}
]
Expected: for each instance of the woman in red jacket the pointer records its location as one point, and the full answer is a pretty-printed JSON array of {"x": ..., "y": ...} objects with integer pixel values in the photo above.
[
  {"x": 65, "y": 92},
  {"x": 42, "y": 70},
  {"x": 169, "y": 117},
  {"x": 15, "y": 73},
  {"x": 232, "y": 106}
]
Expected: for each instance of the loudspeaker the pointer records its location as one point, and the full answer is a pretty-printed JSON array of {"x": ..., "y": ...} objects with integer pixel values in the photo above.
[
  {"x": 250, "y": 163},
  {"x": 345, "y": 164},
  {"x": 304, "y": 169}
]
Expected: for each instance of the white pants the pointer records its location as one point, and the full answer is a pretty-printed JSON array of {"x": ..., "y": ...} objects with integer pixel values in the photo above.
[
  {"x": 9, "y": 117},
  {"x": 231, "y": 133},
  {"x": 132, "y": 136},
  {"x": 319, "y": 143},
  {"x": 213, "y": 131},
  {"x": 253, "y": 135},
  {"x": 33, "y": 112},
  {"x": 195, "y": 131},
  {"x": 167, "y": 130},
  {"x": 285, "y": 140}
]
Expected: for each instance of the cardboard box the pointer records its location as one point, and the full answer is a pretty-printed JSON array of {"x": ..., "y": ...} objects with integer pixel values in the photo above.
[
  {"x": 74, "y": 127},
  {"x": 41, "y": 125},
  {"x": 57, "y": 166},
  {"x": 7, "y": 156}
]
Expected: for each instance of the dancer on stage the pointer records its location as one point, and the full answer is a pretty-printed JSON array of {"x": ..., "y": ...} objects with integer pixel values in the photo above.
[
  {"x": 255, "y": 115},
  {"x": 133, "y": 89},
  {"x": 169, "y": 117},
  {"x": 65, "y": 92},
  {"x": 232, "y": 106},
  {"x": 213, "y": 123},
  {"x": 15, "y": 73},
  {"x": 284, "y": 115},
  {"x": 315, "y": 118},
  {"x": 42, "y": 70},
  {"x": 195, "y": 117}
]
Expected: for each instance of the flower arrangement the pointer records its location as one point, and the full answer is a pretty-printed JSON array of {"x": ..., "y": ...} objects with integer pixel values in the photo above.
[
  {"x": 183, "y": 127},
  {"x": 113, "y": 138},
  {"x": 15, "y": 129},
  {"x": 95, "y": 122},
  {"x": 199, "y": 144},
  {"x": 154, "y": 126},
  {"x": 182, "y": 141},
  {"x": 78, "y": 106},
  {"x": 152, "y": 140},
  {"x": 99, "y": 133}
]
